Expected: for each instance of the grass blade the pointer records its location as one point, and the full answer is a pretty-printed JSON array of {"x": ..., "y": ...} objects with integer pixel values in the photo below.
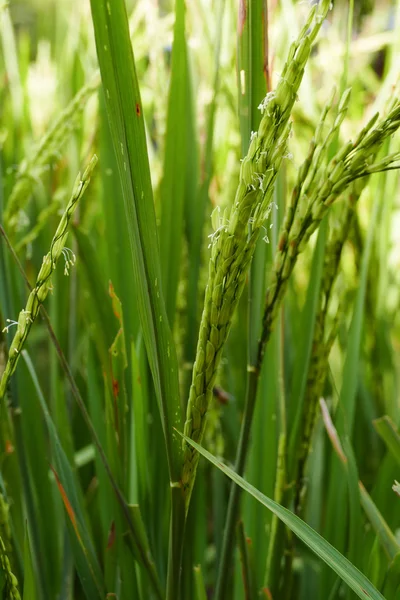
[
  {"x": 390, "y": 435},
  {"x": 200, "y": 588},
  {"x": 126, "y": 120},
  {"x": 176, "y": 150},
  {"x": 325, "y": 551},
  {"x": 125, "y": 114},
  {"x": 336, "y": 503},
  {"x": 379, "y": 524},
  {"x": 30, "y": 592},
  {"x": 302, "y": 364},
  {"x": 85, "y": 558}
]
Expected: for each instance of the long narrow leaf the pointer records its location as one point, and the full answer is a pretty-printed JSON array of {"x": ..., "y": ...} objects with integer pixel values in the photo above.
[
  {"x": 390, "y": 435},
  {"x": 84, "y": 555},
  {"x": 173, "y": 183},
  {"x": 336, "y": 561},
  {"x": 126, "y": 119},
  {"x": 30, "y": 590},
  {"x": 125, "y": 114}
]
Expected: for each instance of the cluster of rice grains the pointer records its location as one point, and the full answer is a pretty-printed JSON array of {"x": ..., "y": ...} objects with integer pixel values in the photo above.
[
  {"x": 321, "y": 181},
  {"x": 234, "y": 239},
  {"x": 43, "y": 283},
  {"x": 326, "y": 326},
  {"x": 318, "y": 186}
]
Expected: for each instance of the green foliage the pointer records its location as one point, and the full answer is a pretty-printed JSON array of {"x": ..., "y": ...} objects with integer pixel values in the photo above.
[{"x": 265, "y": 338}]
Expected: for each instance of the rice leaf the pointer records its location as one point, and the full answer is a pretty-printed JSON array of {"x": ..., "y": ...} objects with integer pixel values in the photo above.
[
  {"x": 390, "y": 435},
  {"x": 126, "y": 118},
  {"x": 30, "y": 591},
  {"x": 173, "y": 185},
  {"x": 325, "y": 551},
  {"x": 85, "y": 558}
]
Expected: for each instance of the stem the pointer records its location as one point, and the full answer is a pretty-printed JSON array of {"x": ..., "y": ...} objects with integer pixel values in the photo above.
[
  {"x": 276, "y": 543},
  {"x": 234, "y": 496},
  {"x": 272, "y": 575},
  {"x": 176, "y": 538},
  {"x": 247, "y": 573}
]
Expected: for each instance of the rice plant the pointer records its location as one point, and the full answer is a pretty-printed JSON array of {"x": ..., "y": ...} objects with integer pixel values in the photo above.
[{"x": 201, "y": 401}]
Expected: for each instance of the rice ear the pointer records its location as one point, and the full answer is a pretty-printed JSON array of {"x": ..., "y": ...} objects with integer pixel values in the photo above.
[{"x": 233, "y": 241}]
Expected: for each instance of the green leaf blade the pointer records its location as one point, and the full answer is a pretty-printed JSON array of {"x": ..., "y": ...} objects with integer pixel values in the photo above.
[
  {"x": 125, "y": 114},
  {"x": 336, "y": 561}
]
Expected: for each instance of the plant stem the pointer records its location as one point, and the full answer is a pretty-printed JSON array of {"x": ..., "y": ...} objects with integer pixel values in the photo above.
[
  {"x": 176, "y": 539},
  {"x": 275, "y": 541},
  {"x": 234, "y": 497}
]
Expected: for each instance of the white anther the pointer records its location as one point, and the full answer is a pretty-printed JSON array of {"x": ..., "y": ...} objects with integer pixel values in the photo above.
[
  {"x": 70, "y": 259},
  {"x": 262, "y": 107},
  {"x": 11, "y": 323}
]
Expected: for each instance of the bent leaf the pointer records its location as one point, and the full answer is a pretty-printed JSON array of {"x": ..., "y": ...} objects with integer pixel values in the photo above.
[{"x": 323, "y": 549}]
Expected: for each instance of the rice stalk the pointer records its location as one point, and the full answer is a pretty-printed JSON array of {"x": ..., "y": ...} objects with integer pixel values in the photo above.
[
  {"x": 235, "y": 235},
  {"x": 43, "y": 283},
  {"x": 47, "y": 150}
]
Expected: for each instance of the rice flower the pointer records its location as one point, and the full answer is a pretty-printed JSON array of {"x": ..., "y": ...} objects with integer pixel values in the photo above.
[{"x": 43, "y": 283}]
